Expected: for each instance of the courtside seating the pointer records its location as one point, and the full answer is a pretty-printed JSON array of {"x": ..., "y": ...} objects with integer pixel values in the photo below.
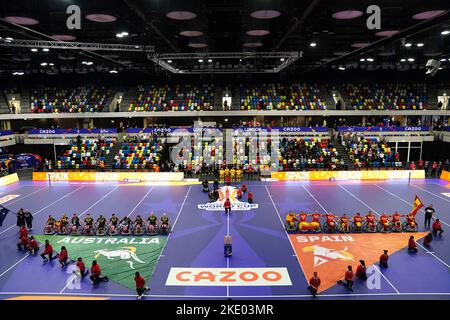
[
  {"x": 311, "y": 153},
  {"x": 295, "y": 96},
  {"x": 89, "y": 155},
  {"x": 371, "y": 153},
  {"x": 387, "y": 97},
  {"x": 139, "y": 155},
  {"x": 73, "y": 100},
  {"x": 173, "y": 98}
]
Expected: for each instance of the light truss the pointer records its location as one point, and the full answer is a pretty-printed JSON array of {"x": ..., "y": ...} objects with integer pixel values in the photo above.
[
  {"x": 286, "y": 59},
  {"x": 75, "y": 45}
]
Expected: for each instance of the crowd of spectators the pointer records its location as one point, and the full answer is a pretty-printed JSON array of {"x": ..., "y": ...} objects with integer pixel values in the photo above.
[
  {"x": 387, "y": 96},
  {"x": 137, "y": 153},
  {"x": 85, "y": 154},
  {"x": 296, "y": 96},
  {"x": 173, "y": 98},
  {"x": 369, "y": 152},
  {"x": 72, "y": 100},
  {"x": 297, "y": 154}
]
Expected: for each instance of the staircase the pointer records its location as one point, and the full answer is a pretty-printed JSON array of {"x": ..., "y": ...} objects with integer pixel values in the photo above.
[
  {"x": 109, "y": 159},
  {"x": 25, "y": 101},
  {"x": 325, "y": 96},
  {"x": 4, "y": 108},
  {"x": 126, "y": 99},
  {"x": 344, "y": 154}
]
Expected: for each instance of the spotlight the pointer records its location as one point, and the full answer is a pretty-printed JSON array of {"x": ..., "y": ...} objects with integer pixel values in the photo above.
[
  {"x": 169, "y": 61},
  {"x": 411, "y": 59},
  {"x": 209, "y": 60},
  {"x": 313, "y": 44},
  {"x": 408, "y": 44},
  {"x": 445, "y": 32},
  {"x": 420, "y": 44},
  {"x": 200, "y": 60},
  {"x": 46, "y": 49},
  {"x": 341, "y": 68},
  {"x": 34, "y": 50},
  {"x": 370, "y": 60}
]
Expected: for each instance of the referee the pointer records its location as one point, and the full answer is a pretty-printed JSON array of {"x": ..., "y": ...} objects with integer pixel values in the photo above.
[{"x": 429, "y": 211}]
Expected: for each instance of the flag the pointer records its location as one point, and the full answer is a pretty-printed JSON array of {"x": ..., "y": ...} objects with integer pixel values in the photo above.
[
  {"x": 417, "y": 205},
  {"x": 3, "y": 213}
]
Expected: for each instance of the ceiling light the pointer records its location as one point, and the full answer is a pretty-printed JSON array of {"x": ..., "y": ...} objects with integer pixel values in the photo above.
[
  {"x": 51, "y": 64},
  {"x": 411, "y": 59},
  {"x": 34, "y": 50},
  {"x": 209, "y": 60},
  {"x": 445, "y": 32},
  {"x": 313, "y": 44},
  {"x": 409, "y": 44},
  {"x": 341, "y": 68},
  {"x": 169, "y": 61},
  {"x": 370, "y": 59},
  {"x": 44, "y": 64},
  {"x": 362, "y": 59},
  {"x": 125, "y": 33},
  {"x": 443, "y": 59},
  {"x": 420, "y": 44},
  {"x": 113, "y": 71},
  {"x": 200, "y": 60},
  {"x": 46, "y": 49},
  {"x": 281, "y": 59},
  {"x": 403, "y": 60},
  {"x": 119, "y": 35}
]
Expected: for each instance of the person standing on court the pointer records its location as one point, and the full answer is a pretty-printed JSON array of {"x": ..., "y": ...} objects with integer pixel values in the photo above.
[
  {"x": 28, "y": 219},
  {"x": 20, "y": 218},
  {"x": 384, "y": 259},
  {"x": 141, "y": 288},
  {"x": 429, "y": 211}
]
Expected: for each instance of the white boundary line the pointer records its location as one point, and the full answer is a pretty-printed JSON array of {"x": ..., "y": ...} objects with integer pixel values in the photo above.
[
  {"x": 312, "y": 196},
  {"x": 401, "y": 199},
  {"x": 426, "y": 250},
  {"x": 433, "y": 194},
  {"x": 228, "y": 258},
  {"x": 56, "y": 201},
  {"x": 1, "y": 275},
  {"x": 287, "y": 235},
  {"x": 143, "y": 198},
  {"x": 393, "y": 287},
  {"x": 225, "y": 297},
  {"x": 173, "y": 227},
  {"x": 24, "y": 197}
]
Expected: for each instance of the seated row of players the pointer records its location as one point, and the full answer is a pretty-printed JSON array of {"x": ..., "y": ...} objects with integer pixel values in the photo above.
[
  {"x": 114, "y": 226},
  {"x": 358, "y": 223}
]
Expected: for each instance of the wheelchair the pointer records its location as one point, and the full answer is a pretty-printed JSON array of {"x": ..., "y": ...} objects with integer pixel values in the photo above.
[
  {"x": 409, "y": 227},
  {"x": 101, "y": 231},
  {"x": 383, "y": 228},
  {"x": 75, "y": 230},
  {"x": 49, "y": 230},
  {"x": 330, "y": 229},
  {"x": 345, "y": 229},
  {"x": 63, "y": 230},
  {"x": 397, "y": 227},
  {"x": 112, "y": 230},
  {"x": 370, "y": 229},
  {"x": 139, "y": 230},
  {"x": 291, "y": 226},
  {"x": 358, "y": 229},
  {"x": 152, "y": 230},
  {"x": 165, "y": 229},
  {"x": 125, "y": 230},
  {"x": 88, "y": 230}
]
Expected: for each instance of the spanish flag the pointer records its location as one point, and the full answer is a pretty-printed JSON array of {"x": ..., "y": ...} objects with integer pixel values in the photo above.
[{"x": 417, "y": 205}]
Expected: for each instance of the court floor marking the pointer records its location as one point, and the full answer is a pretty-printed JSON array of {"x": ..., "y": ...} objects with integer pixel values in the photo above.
[
  {"x": 228, "y": 258},
  {"x": 393, "y": 287},
  {"x": 69, "y": 281},
  {"x": 312, "y": 196},
  {"x": 401, "y": 199},
  {"x": 24, "y": 197},
  {"x": 47, "y": 206},
  {"x": 173, "y": 227},
  {"x": 28, "y": 254},
  {"x": 426, "y": 250},
  {"x": 433, "y": 194},
  {"x": 224, "y": 297},
  {"x": 287, "y": 235},
  {"x": 143, "y": 198}
]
